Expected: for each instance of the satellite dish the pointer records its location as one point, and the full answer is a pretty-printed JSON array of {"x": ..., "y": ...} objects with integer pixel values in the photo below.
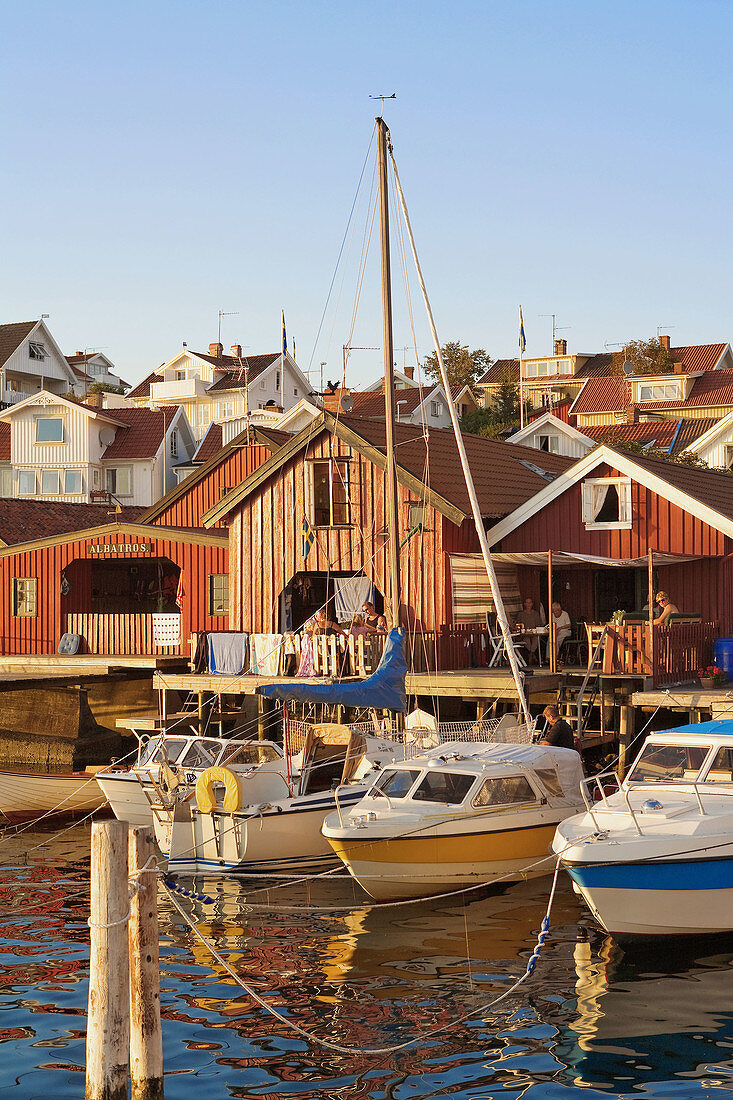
[
  {"x": 346, "y": 402},
  {"x": 106, "y": 436},
  {"x": 628, "y": 366}
]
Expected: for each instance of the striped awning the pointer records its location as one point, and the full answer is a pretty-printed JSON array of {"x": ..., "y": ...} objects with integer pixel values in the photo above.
[{"x": 471, "y": 590}]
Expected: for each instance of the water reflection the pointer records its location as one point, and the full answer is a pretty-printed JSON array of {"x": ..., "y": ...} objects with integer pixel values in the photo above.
[{"x": 596, "y": 1015}]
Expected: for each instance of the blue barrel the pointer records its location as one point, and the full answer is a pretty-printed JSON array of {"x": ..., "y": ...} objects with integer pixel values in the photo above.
[{"x": 723, "y": 655}]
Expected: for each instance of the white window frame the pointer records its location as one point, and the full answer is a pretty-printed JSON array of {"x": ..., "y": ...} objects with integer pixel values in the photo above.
[
  {"x": 436, "y": 408},
  {"x": 36, "y": 350},
  {"x": 174, "y": 443},
  {"x": 553, "y": 443},
  {"x": 6, "y": 481},
  {"x": 25, "y": 597},
  {"x": 78, "y": 477},
  {"x": 310, "y": 491},
  {"x": 47, "y": 420},
  {"x": 591, "y": 505},
  {"x": 28, "y": 492},
  {"x": 218, "y": 594},
  {"x": 46, "y": 476},
  {"x": 646, "y": 391},
  {"x": 119, "y": 491}
]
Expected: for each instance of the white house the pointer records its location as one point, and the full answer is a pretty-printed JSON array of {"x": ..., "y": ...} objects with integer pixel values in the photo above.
[
  {"x": 91, "y": 367},
  {"x": 54, "y": 449},
  {"x": 215, "y": 387},
  {"x": 31, "y": 360}
]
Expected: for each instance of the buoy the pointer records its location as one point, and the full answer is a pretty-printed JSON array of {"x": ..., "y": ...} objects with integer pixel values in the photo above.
[{"x": 205, "y": 799}]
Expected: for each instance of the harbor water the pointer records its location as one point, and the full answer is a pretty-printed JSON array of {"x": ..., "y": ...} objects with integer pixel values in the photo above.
[{"x": 653, "y": 1021}]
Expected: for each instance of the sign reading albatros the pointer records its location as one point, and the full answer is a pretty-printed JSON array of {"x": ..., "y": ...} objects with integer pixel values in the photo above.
[{"x": 120, "y": 548}]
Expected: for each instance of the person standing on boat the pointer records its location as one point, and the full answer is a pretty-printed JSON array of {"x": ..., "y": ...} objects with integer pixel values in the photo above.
[{"x": 559, "y": 735}]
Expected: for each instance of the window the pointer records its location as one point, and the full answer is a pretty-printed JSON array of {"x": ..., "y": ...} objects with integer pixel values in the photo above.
[
  {"x": 277, "y": 379},
  {"x": 550, "y": 781},
  {"x": 218, "y": 593},
  {"x": 24, "y": 595},
  {"x": 73, "y": 482},
  {"x": 36, "y": 350},
  {"x": 96, "y": 476},
  {"x": 607, "y": 503},
  {"x": 660, "y": 763},
  {"x": 174, "y": 443},
  {"x": 295, "y": 391},
  {"x": 6, "y": 481},
  {"x": 119, "y": 481},
  {"x": 449, "y": 787},
  {"x": 550, "y": 443},
  {"x": 204, "y": 414},
  {"x": 49, "y": 483},
  {"x": 436, "y": 408},
  {"x": 49, "y": 429},
  {"x": 721, "y": 769},
  {"x": 502, "y": 791},
  {"x": 180, "y": 376},
  {"x": 26, "y": 483},
  {"x": 416, "y": 515},
  {"x": 330, "y": 505},
  {"x": 669, "y": 391},
  {"x": 226, "y": 408},
  {"x": 395, "y": 784}
]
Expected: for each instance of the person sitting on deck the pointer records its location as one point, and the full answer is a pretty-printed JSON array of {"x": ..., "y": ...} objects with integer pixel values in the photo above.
[
  {"x": 529, "y": 619},
  {"x": 668, "y": 609},
  {"x": 375, "y": 622},
  {"x": 563, "y": 626},
  {"x": 321, "y": 624}
]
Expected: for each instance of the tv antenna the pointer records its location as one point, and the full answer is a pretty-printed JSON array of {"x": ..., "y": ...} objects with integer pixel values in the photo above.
[
  {"x": 382, "y": 98},
  {"x": 660, "y": 327},
  {"x": 234, "y": 313},
  {"x": 555, "y": 327}
]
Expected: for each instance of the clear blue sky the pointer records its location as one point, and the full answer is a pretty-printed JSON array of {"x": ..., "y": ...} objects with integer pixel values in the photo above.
[{"x": 163, "y": 161}]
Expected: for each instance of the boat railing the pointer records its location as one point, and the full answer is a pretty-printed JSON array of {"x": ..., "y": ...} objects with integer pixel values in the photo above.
[
  {"x": 420, "y": 739},
  {"x": 598, "y": 782}
]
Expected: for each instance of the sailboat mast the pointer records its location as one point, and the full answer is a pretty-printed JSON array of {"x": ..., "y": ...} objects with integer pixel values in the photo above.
[
  {"x": 390, "y": 473},
  {"x": 475, "y": 508}
]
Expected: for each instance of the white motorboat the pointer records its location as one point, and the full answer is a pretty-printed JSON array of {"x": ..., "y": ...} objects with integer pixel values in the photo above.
[
  {"x": 252, "y": 819},
  {"x": 166, "y": 762},
  {"x": 459, "y": 815},
  {"x": 656, "y": 857}
]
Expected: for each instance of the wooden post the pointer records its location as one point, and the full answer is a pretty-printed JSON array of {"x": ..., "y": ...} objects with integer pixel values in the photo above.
[
  {"x": 551, "y": 631},
  {"x": 200, "y": 699},
  {"x": 650, "y": 586},
  {"x": 626, "y": 735},
  {"x": 108, "y": 1016},
  {"x": 146, "y": 1037}
]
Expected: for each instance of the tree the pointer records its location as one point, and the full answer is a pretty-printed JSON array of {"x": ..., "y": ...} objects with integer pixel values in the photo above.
[
  {"x": 482, "y": 422},
  {"x": 646, "y": 357},
  {"x": 105, "y": 387},
  {"x": 464, "y": 367},
  {"x": 507, "y": 400}
]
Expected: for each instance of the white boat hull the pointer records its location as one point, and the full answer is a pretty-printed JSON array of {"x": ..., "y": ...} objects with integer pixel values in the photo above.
[
  {"x": 25, "y": 796},
  {"x": 126, "y": 795},
  {"x": 661, "y": 912}
]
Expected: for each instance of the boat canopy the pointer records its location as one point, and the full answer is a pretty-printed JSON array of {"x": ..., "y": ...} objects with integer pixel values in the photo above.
[{"x": 384, "y": 689}]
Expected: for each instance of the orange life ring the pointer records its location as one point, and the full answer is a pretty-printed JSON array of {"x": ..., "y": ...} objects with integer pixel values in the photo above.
[{"x": 205, "y": 799}]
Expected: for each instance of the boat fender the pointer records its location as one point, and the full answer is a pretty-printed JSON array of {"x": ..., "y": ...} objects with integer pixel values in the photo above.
[{"x": 205, "y": 799}]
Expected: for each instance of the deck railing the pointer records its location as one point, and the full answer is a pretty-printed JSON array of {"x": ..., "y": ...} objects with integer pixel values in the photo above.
[
  {"x": 117, "y": 634},
  {"x": 667, "y": 654}
]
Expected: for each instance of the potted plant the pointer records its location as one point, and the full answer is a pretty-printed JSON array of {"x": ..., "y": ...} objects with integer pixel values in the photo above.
[
  {"x": 712, "y": 676},
  {"x": 617, "y": 618}
]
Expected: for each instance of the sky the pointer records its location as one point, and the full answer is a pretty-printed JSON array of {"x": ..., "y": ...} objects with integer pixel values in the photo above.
[{"x": 165, "y": 161}]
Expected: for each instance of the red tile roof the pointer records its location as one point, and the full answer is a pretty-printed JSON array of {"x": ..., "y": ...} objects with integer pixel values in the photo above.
[
  {"x": 11, "y": 336},
  {"x": 4, "y": 441},
  {"x": 144, "y": 433},
  {"x": 142, "y": 389},
  {"x": 236, "y": 376},
  {"x": 210, "y": 444},
  {"x": 600, "y": 395},
  {"x": 27, "y": 520},
  {"x": 496, "y": 372},
  {"x": 559, "y": 410},
  {"x": 658, "y": 434},
  {"x": 694, "y": 358},
  {"x": 371, "y": 402}
]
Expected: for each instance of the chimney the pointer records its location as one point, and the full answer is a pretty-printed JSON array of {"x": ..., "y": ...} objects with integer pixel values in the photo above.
[
  {"x": 216, "y": 350},
  {"x": 561, "y": 347},
  {"x": 236, "y": 350},
  {"x": 664, "y": 341},
  {"x": 332, "y": 398},
  {"x": 94, "y": 400},
  {"x": 410, "y": 372}
]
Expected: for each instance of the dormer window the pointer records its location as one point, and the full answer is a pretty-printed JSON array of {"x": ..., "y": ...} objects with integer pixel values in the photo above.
[
  {"x": 36, "y": 350},
  {"x": 607, "y": 503},
  {"x": 660, "y": 391}
]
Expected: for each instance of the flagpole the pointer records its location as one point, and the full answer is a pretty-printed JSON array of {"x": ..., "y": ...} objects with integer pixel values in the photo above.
[{"x": 521, "y": 387}]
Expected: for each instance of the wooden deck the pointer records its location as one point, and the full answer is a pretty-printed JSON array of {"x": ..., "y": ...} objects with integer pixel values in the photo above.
[{"x": 56, "y": 666}]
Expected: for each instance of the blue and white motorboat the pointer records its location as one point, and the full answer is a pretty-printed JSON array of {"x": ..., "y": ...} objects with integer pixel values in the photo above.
[{"x": 655, "y": 858}]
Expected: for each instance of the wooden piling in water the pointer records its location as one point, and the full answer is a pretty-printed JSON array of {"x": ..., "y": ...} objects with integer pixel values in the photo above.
[
  {"x": 146, "y": 1037},
  {"x": 108, "y": 1016}
]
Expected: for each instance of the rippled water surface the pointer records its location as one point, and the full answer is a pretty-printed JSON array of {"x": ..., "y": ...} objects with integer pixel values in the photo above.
[{"x": 655, "y": 1021}]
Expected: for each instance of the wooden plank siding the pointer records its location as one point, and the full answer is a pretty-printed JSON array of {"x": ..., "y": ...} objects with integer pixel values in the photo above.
[
  {"x": 190, "y": 505},
  {"x": 266, "y": 542},
  {"x": 40, "y": 633}
]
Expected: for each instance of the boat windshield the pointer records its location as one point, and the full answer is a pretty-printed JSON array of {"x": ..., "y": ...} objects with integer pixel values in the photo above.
[
  {"x": 449, "y": 787},
  {"x": 505, "y": 790},
  {"x": 660, "y": 763},
  {"x": 200, "y": 755},
  {"x": 256, "y": 753},
  {"x": 395, "y": 784},
  {"x": 721, "y": 769},
  {"x": 161, "y": 749}
]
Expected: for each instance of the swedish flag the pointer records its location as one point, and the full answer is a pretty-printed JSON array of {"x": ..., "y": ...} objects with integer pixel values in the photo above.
[
  {"x": 285, "y": 337},
  {"x": 522, "y": 337},
  {"x": 309, "y": 537}
]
